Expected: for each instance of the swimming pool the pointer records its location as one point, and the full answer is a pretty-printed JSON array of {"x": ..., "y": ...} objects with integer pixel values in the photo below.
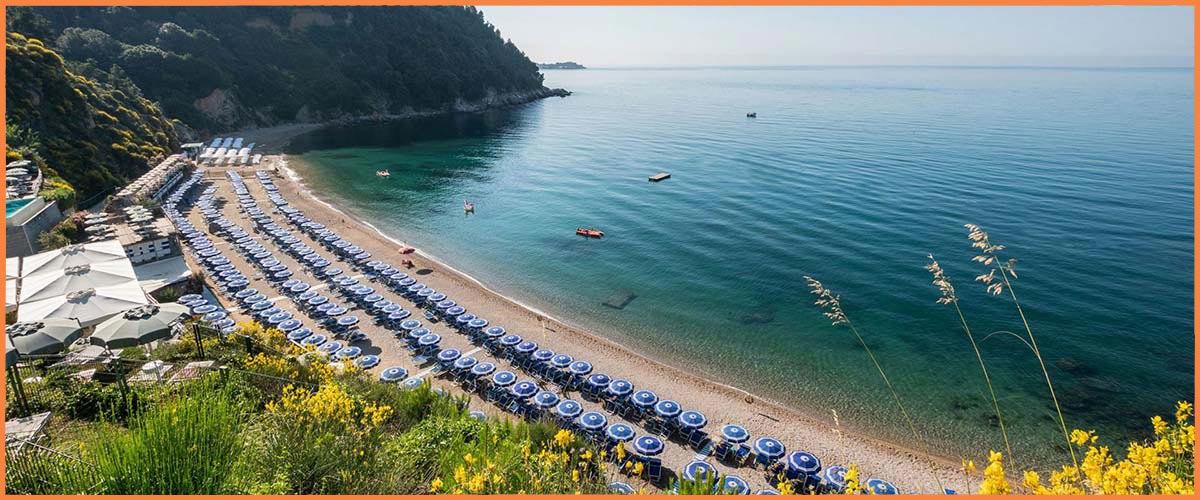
[{"x": 11, "y": 206}]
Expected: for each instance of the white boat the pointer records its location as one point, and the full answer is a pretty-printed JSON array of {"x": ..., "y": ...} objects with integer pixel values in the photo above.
[{"x": 383, "y": 173}]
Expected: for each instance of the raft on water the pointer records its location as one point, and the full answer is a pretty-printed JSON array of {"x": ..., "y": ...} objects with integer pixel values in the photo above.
[
  {"x": 660, "y": 176},
  {"x": 619, "y": 298}
]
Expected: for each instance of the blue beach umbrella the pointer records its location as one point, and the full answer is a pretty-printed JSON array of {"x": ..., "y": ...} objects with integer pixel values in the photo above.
[
  {"x": 348, "y": 321},
  {"x": 523, "y": 389},
  {"x": 692, "y": 419},
  {"x": 620, "y": 432},
  {"x": 392, "y": 308},
  {"x": 429, "y": 339},
  {"x": 240, "y": 295},
  {"x": 478, "y": 323},
  {"x": 463, "y": 320},
  {"x": 455, "y": 311},
  {"x": 581, "y": 368},
  {"x": 619, "y": 488},
  {"x": 289, "y": 283},
  {"x": 446, "y": 304},
  {"x": 308, "y": 294},
  {"x": 504, "y": 378},
  {"x": 542, "y": 355},
  {"x": 350, "y": 352},
  {"x": 398, "y": 315},
  {"x": 647, "y": 446},
  {"x": 483, "y": 369},
  {"x": 393, "y": 374},
  {"x": 279, "y": 317},
  {"x": 494, "y": 332},
  {"x": 289, "y": 325},
  {"x": 267, "y": 313},
  {"x": 510, "y": 340},
  {"x": 367, "y": 362},
  {"x": 568, "y": 408},
  {"x": 204, "y": 309},
  {"x": 599, "y": 380},
  {"x": 735, "y": 484},
  {"x": 300, "y": 287},
  {"x": 330, "y": 347},
  {"x": 561, "y": 361},
  {"x": 413, "y": 383},
  {"x": 526, "y": 347},
  {"x": 667, "y": 409},
  {"x": 318, "y": 300},
  {"x": 381, "y": 304},
  {"x": 336, "y": 311},
  {"x": 769, "y": 447},
  {"x": 325, "y": 307},
  {"x": 767, "y": 491},
  {"x": 372, "y": 298},
  {"x": 545, "y": 399},
  {"x": 411, "y": 324},
  {"x": 592, "y": 421},
  {"x": 224, "y": 323},
  {"x": 697, "y": 470},
  {"x": 366, "y": 290},
  {"x": 448, "y": 355},
  {"x": 733, "y": 433},
  {"x": 283, "y": 274},
  {"x": 255, "y": 299},
  {"x": 299, "y": 334},
  {"x": 620, "y": 387},
  {"x": 418, "y": 333},
  {"x": 214, "y": 316},
  {"x": 644, "y": 399},
  {"x": 881, "y": 487},
  {"x": 465, "y": 362},
  {"x": 804, "y": 462}
]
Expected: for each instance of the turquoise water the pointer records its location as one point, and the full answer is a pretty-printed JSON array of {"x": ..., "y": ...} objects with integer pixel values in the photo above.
[
  {"x": 11, "y": 206},
  {"x": 851, "y": 175}
]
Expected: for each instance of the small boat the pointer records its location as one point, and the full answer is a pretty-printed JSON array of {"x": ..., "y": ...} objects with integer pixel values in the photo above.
[
  {"x": 590, "y": 232},
  {"x": 468, "y": 206},
  {"x": 383, "y": 173},
  {"x": 752, "y": 115}
]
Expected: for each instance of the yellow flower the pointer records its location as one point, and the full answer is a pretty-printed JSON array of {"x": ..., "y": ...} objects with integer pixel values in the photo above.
[
  {"x": 1183, "y": 411},
  {"x": 475, "y": 485},
  {"x": 638, "y": 468},
  {"x": 994, "y": 482},
  {"x": 968, "y": 466},
  {"x": 469, "y": 459},
  {"x": 786, "y": 488},
  {"x": 1160, "y": 425},
  {"x": 436, "y": 484},
  {"x": 586, "y": 455},
  {"x": 564, "y": 437},
  {"x": 1081, "y": 438},
  {"x": 575, "y": 475},
  {"x": 460, "y": 474}
]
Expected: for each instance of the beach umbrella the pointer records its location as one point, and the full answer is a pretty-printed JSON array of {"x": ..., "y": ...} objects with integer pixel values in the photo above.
[
  {"x": 398, "y": 315},
  {"x": 492, "y": 332},
  {"x": 455, "y": 311},
  {"x": 433, "y": 296},
  {"x": 430, "y": 339},
  {"x": 267, "y": 313},
  {"x": 465, "y": 362},
  {"x": 581, "y": 368},
  {"x": 349, "y": 352},
  {"x": 545, "y": 399},
  {"x": 881, "y": 487},
  {"x": 307, "y": 295},
  {"x": 191, "y": 297},
  {"x": 733, "y": 433},
  {"x": 138, "y": 325},
  {"x": 692, "y": 419},
  {"x": 299, "y": 334},
  {"x": 562, "y": 361},
  {"x": 599, "y": 380},
  {"x": 393, "y": 374},
  {"x": 523, "y": 389},
  {"x": 326, "y": 306},
  {"x": 418, "y": 333},
  {"x": 620, "y": 432},
  {"x": 300, "y": 287},
  {"x": 542, "y": 355},
  {"x": 370, "y": 299},
  {"x": 667, "y": 409},
  {"x": 413, "y": 383},
  {"x": 289, "y": 325},
  {"x": 735, "y": 484},
  {"x": 241, "y": 294},
  {"x": 214, "y": 316},
  {"x": 225, "y": 323},
  {"x": 314, "y": 340},
  {"x": 289, "y": 283},
  {"x": 525, "y": 347},
  {"x": 203, "y": 309},
  {"x": 448, "y": 355},
  {"x": 510, "y": 340},
  {"x": 647, "y": 446},
  {"x": 347, "y": 321},
  {"x": 330, "y": 347},
  {"x": 568, "y": 408},
  {"x": 482, "y": 369},
  {"x": 767, "y": 491},
  {"x": 464, "y": 319},
  {"x": 644, "y": 399},
  {"x": 592, "y": 421},
  {"x": 804, "y": 462},
  {"x": 619, "y": 488},
  {"x": 697, "y": 470},
  {"x": 47, "y": 336},
  {"x": 477, "y": 415},
  {"x": 446, "y": 304},
  {"x": 477, "y": 323},
  {"x": 769, "y": 447},
  {"x": 10, "y": 353},
  {"x": 336, "y": 311},
  {"x": 620, "y": 387},
  {"x": 504, "y": 378},
  {"x": 410, "y": 325}
]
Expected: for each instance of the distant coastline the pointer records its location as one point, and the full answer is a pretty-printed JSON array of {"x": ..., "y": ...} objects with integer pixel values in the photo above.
[{"x": 561, "y": 65}]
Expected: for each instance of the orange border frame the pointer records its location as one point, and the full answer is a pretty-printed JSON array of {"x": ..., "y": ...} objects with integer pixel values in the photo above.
[{"x": 978, "y": 3}]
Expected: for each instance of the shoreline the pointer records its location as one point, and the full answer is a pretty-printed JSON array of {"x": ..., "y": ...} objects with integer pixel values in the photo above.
[{"x": 912, "y": 470}]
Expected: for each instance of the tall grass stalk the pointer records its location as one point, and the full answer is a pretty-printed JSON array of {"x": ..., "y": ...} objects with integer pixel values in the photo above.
[
  {"x": 989, "y": 258},
  {"x": 949, "y": 296},
  {"x": 832, "y": 308}
]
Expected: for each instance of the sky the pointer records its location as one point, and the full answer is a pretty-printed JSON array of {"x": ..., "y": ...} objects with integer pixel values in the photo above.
[{"x": 802, "y": 35}]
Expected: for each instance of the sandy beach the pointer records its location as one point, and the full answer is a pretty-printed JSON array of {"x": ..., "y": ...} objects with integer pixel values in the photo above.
[{"x": 910, "y": 470}]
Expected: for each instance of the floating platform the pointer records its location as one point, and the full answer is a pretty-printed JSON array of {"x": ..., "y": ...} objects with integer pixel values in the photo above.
[
  {"x": 619, "y": 298},
  {"x": 660, "y": 176}
]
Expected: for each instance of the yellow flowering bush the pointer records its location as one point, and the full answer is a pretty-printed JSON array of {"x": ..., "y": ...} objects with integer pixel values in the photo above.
[
  {"x": 1163, "y": 465},
  {"x": 505, "y": 458}
]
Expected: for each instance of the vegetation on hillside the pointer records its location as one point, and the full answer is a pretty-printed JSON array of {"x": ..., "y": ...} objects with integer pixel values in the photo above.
[
  {"x": 86, "y": 134},
  {"x": 222, "y": 68}
]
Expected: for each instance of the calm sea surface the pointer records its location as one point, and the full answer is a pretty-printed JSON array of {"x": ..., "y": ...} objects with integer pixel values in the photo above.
[{"x": 851, "y": 175}]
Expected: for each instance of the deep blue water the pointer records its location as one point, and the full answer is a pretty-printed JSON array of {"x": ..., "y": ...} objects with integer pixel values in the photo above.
[{"x": 851, "y": 175}]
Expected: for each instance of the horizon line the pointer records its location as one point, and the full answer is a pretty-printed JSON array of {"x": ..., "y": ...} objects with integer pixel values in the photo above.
[{"x": 943, "y": 66}]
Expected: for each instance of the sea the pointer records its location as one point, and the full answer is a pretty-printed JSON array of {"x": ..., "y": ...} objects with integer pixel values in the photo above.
[{"x": 851, "y": 175}]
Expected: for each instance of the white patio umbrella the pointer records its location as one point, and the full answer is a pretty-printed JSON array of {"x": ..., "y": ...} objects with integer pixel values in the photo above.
[
  {"x": 47, "y": 336},
  {"x": 12, "y": 268},
  {"x": 48, "y": 283},
  {"x": 10, "y": 295},
  {"x": 73, "y": 255},
  {"x": 139, "y": 325},
  {"x": 89, "y": 306}
]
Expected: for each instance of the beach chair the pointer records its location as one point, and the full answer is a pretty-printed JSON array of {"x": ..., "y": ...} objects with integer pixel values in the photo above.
[
  {"x": 654, "y": 470},
  {"x": 698, "y": 439},
  {"x": 742, "y": 454},
  {"x": 723, "y": 451}
]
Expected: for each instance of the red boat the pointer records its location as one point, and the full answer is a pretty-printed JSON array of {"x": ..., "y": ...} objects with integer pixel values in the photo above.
[{"x": 590, "y": 232}]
